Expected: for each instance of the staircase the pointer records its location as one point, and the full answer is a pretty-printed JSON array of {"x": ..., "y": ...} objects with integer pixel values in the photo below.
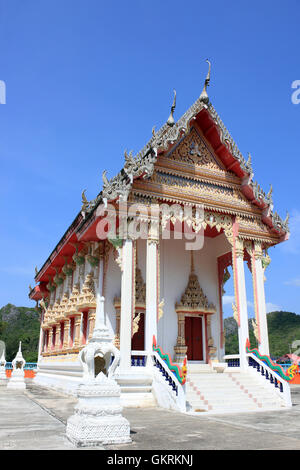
[{"x": 232, "y": 391}]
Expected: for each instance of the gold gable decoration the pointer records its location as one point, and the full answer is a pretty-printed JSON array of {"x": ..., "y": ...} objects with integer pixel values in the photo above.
[
  {"x": 193, "y": 299},
  {"x": 193, "y": 150}
]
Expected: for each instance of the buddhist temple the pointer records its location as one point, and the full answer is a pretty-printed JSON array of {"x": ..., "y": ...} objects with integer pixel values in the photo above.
[{"x": 154, "y": 248}]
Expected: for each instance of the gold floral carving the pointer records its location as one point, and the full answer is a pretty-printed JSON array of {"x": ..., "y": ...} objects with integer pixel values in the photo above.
[
  {"x": 135, "y": 324},
  {"x": 86, "y": 298},
  {"x": 193, "y": 299},
  {"x": 197, "y": 190},
  {"x": 194, "y": 150},
  {"x": 161, "y": 309},
  {"x": 220, "y": 222},
  {"x": 252, "y": 228},
  {"x": 239, "y": 248}
]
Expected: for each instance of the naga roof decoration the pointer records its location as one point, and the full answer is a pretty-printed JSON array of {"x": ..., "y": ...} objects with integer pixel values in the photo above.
[{"x": 142, "y": 166}]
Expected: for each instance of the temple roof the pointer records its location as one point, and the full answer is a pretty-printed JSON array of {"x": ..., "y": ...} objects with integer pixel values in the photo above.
[{"x": 142, "y": 165}]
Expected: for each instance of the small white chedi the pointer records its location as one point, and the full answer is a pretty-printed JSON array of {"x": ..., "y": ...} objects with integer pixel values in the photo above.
[
  {"x": 98, "y": 414},
  {"x": 3, "y": 378},
  {"x": 17, "y": 380}
]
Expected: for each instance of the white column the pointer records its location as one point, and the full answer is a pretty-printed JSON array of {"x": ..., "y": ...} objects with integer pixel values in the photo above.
[
  {"x": 100, "y": 315},
  {"x": 100, "y": 328},
  {"x": 240, "y": 299},
  {"x": 127, "y": 303},
  {"x": 41, "y": 342},
  {"x": 261, "y": 313},
  {"x": 151, "y": 293}
]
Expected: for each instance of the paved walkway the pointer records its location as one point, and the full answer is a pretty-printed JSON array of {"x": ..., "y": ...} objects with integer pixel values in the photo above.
[{"x": 35, "y": 419}]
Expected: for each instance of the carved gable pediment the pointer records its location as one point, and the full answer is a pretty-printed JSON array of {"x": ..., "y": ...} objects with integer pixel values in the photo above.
[{"x": 194, "y": 150}]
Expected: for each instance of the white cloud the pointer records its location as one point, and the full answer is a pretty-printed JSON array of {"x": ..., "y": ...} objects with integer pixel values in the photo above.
[
  {"x": 293, "y": 282},
  {"x": 272, "y": 307},
  {"x": 228, "y": 299}
]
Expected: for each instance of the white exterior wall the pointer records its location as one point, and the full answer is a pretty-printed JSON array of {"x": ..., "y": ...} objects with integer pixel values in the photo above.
[{"x": 112, "y": 289}]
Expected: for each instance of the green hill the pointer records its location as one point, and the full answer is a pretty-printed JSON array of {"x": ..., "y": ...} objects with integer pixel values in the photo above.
[
  {"x": 283, "y": 327},
  {"x": 23, "y": 324},
  {"x": 20, "y": 324}
]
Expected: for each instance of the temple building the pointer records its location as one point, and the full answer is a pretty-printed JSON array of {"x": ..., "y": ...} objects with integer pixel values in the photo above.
[{"x": 176, "y": 216}]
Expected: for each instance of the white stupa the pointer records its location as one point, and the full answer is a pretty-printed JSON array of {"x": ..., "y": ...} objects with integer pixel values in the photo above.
[
  {"x": 3, "y": 378},
  {"x": 17, "y": 381}
]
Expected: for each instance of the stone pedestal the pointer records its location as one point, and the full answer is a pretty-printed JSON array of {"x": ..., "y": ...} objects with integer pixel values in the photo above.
[
  {"x": 17, "y": 381},
  {"x": 3, "y": 378},
  {"x": 97, "y": 419}
]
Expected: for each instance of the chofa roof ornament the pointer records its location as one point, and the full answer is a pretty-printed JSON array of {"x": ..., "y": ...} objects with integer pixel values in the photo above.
[
  {"x": 204, "y": 96},
  {"x": 170, "y": 120}
]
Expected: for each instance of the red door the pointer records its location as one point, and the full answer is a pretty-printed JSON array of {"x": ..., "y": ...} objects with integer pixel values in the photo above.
[{"x": 193, "y": 338}]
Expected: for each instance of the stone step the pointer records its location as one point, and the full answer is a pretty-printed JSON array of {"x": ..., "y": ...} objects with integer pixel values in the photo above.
[
  {"x": 234, "y": 389},
  {"x": 246, "y": 401},
  {"x": 237, "y": 403},
  {"x": 237, "y": 383},
  {"x": 230, "y": 392},
  {"x": 200, "y": 369},
  {"x": 233, "y": 393},
  {"x": 232, "y": 386},
  {"x": 229, "y": 410}
]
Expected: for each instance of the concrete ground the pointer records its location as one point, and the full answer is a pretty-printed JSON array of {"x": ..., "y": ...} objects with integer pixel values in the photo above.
[{"x": 36, "y": 419}]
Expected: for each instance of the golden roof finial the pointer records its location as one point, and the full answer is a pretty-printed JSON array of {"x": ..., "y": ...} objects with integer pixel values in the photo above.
[{"x": 204, "y": 96}]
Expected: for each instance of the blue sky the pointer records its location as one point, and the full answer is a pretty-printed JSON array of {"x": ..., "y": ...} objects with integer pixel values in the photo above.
[{"x": 86, "y": 79}]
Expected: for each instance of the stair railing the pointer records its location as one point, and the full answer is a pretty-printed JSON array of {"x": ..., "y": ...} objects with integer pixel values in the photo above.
[
  {"x": 169, "y": 380},
  {"x": 169, "y": 392},
  {"x": 270, "y": 373}
]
